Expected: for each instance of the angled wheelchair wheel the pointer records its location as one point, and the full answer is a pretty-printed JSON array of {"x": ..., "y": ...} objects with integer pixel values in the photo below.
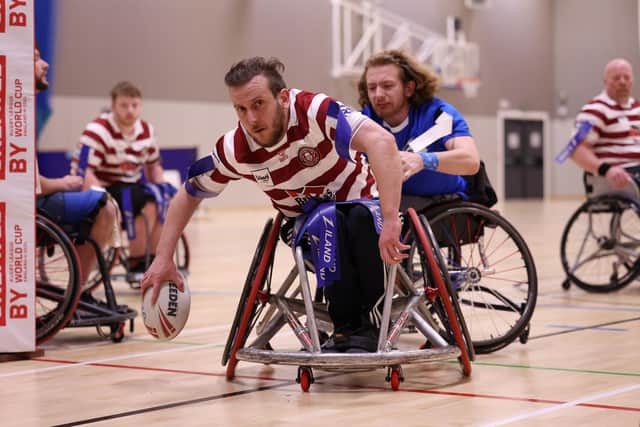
[
  {"x": 248, "y": 305},
  {"x": 182, "y": 256},
  {"x": 425, "y": 252},
  {"x": 492, "y": 271},
  {"x": 94, "y": 280},
  {"x": 599, "y": 245},
  {"x": 57, "y": 279}
]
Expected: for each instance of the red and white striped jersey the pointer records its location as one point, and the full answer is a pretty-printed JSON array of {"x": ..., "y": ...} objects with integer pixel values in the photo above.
[
  {"x": 314, "y": 160},
  {"x": 112, "y": 157},
  {"x": 615, "y": 135}
]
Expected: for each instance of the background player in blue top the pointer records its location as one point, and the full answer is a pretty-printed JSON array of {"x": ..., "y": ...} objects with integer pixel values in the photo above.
[{"x": 397, "y": 92}]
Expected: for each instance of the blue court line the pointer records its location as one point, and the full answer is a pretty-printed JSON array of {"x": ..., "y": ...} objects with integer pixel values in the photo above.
[
  {"x": 595, "y": 328},
  {"x": 590, "y": 307}
]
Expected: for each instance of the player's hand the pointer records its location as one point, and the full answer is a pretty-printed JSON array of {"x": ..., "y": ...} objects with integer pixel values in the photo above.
[
  {"x": 71, "y": 183},
  {"x": 411, "y": 164},
  {"x": 389, "y": 242},
  {"x": 618, "y": 177},
  {"x": 161, "y": 270}
]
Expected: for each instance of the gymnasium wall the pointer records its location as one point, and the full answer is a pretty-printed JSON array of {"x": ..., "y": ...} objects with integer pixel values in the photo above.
[{"x": 178, "y": 52}]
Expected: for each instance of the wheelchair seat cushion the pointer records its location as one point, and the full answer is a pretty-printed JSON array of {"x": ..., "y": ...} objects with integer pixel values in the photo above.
[{"x": 74, "y": 211}]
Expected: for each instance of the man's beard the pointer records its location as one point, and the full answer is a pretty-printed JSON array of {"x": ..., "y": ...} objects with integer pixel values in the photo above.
[{"x": 278, "y": 128}]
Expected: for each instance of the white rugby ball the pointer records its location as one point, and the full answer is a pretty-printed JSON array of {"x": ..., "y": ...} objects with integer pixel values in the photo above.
[{"x": 167, "y": 317}]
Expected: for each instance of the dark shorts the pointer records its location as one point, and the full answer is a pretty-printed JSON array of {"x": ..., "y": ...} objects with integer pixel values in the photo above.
[
  {"x": 75, "y": 211},
  {"x": 138, "y": 196}
]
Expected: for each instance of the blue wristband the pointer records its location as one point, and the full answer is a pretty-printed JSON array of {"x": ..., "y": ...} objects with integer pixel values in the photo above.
[{"x": 430, "y": 160}]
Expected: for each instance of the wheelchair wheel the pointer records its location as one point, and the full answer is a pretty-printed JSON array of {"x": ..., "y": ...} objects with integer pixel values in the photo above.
[
  {"x": 182, "y": 256},
  {"x": 57, "y": 279},
  {"x": 425, "y": 252},
  {"x": 599, "y": 246},
  {"x": 248, "y": 305},
  {"x": 491, "y": 269},
  {"x": 94, "y": 280}
]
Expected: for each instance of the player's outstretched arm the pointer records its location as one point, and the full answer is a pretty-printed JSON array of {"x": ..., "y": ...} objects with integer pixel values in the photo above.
[{"x": 163, "y": 268}]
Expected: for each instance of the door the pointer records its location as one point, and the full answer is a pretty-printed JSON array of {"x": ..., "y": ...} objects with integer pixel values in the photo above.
[{"x": 524, "y": 158}]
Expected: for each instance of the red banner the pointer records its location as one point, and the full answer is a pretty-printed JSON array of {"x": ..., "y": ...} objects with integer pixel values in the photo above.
[{"x": 3, "y": 257}]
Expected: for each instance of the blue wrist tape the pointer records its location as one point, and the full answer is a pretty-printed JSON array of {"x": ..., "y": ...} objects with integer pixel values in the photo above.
[{"x": 430, "y": 160}]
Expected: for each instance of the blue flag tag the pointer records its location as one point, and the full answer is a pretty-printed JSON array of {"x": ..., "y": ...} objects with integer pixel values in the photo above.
[{"x": 582, "y": 132}]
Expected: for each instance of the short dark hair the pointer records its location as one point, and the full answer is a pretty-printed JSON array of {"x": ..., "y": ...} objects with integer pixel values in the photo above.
[
  {"x": 125, "y": 89},
  {"x": 242, "y": 72},
  {"x": 427, "y": 81}
]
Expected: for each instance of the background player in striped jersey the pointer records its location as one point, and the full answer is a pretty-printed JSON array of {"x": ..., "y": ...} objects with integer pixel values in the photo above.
[
  {"x": 86, "y": 212},
  {"x": 612, "y": 147},
  {"x": 115, "y": 151},
  {"x": 303, "y": 148}
]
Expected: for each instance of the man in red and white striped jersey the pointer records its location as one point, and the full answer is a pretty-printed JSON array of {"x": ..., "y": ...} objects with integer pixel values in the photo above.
[
  {"x": 301, "y": 149},
  {"x": 612, "y": 146},
  {"x": 115, "y": 151}
]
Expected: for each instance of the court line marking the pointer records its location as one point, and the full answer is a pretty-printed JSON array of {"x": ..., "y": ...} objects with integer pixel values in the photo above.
[
  {"x": 544, "y": 368},
  {"x": 582, "y": 401},
  {"x": 109, "y": 359},
  {"x": 615, "y": 322},
  {"x": 595, "y": 328},
  {"x": 590, "y": 307}
]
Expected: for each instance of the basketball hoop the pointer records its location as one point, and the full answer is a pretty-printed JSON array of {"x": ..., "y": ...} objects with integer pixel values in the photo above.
[{"x": 470, "y": 86}]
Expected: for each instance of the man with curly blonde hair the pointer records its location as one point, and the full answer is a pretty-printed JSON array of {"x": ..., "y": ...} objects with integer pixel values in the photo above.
[{"x": 398, "y": 92}]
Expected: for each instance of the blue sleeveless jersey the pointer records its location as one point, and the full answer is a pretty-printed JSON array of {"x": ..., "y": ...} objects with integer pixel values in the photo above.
[{"x": 428, "y": 182}]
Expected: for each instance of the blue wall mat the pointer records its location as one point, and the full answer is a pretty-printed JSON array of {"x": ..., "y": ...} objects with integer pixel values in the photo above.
[{"x": 55, "y": 164}]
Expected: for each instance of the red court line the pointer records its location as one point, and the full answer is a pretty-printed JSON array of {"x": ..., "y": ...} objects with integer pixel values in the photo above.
[
  {"x": 146, "y": 368},
  {"x": 406, "y": 390}
]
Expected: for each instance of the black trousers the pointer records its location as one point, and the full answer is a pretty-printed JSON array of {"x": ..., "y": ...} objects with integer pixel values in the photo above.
[{"x": 361, "y": 283}]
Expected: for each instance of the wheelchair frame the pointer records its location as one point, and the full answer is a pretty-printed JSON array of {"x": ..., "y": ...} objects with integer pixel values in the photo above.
[
  {"x": 119, "y": 255},
  {"x": 65, "y": 303},
  {"x": 268, "y": 312},
  {"x": 608, "y": 256}
]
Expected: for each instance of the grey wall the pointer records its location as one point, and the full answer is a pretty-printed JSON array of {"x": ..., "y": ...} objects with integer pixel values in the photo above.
[
  {"x": 178, "y": 52},
  {"x": 181, "y": 50},
  {"x": 588, "y": 33}
]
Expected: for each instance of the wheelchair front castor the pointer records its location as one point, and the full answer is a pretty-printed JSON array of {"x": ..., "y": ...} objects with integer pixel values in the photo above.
[
  {"x": 524, "y": 336},
  {"x": 395, "y": 377},
  {"x": 566, "y": 284},
  {"x": 305, "y": 378},
  {"x": 117, "y": 332}
]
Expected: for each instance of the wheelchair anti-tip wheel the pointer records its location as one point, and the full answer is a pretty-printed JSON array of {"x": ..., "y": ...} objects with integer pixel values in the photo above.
[
  {"x": 57, "y": 279},
  {"x": 600, "y": 244}
]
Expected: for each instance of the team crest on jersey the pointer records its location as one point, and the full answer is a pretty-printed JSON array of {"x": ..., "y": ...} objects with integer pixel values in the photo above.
[
  {"x": 308, "y": 156},
  {"x": 262, "y": 177}
]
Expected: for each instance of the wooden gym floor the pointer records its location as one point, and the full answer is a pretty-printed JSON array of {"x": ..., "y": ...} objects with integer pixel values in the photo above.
[{"x": 580, "y": 366}]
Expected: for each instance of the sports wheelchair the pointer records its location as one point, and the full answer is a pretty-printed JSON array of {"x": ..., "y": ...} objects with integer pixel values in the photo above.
[
  {"x": 600, "y": 244},
  {"x": 60, "y": 300},
  {"x": 489, "y": 265},
  {"x": 426, "y": 304},
  {"x": 118, "y": 264}
]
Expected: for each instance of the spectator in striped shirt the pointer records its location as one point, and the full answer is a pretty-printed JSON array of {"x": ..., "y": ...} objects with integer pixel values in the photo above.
[
  {"x": 612, "y": 147},
  {"x": 303, "y": 149},
  {"x": 116, "y": 151}
]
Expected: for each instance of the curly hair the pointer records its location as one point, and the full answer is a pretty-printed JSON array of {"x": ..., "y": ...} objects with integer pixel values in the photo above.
[
  {"x": 427, "y": 81},
  {"x": 242, "y": 72}
]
